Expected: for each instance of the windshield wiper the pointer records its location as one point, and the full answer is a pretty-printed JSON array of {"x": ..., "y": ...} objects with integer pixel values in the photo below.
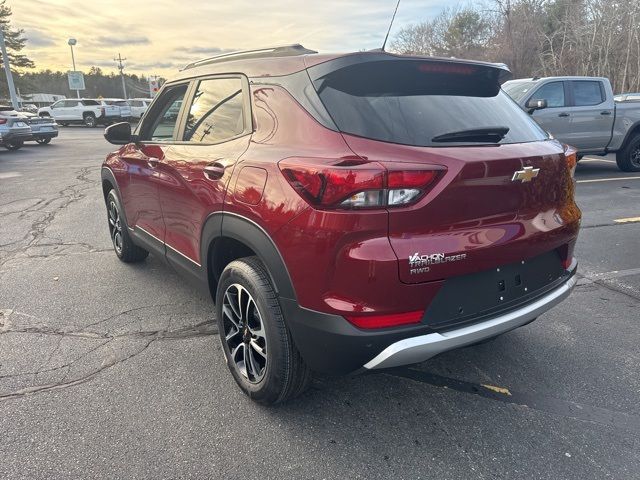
[{"x": 482, "y": 135}]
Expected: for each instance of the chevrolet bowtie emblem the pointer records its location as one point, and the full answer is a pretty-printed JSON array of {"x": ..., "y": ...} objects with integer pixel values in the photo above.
[{"x": 526, "y": 174}]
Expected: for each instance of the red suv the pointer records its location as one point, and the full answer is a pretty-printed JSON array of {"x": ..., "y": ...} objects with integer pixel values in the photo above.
[{"x": 346, "y": 212}]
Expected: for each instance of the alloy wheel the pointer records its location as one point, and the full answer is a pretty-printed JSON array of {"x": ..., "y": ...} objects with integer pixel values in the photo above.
[
  {"x": 244, "y": 333},
  {"x": 115, "y": 227},
  {"x": 635, "y": 156}
]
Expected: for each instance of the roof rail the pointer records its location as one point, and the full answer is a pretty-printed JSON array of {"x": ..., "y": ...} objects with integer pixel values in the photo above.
[{"x": 279, "y": 51}]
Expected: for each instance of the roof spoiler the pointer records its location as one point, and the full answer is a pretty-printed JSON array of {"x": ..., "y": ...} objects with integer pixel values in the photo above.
[{"x": 278, "y": 51}]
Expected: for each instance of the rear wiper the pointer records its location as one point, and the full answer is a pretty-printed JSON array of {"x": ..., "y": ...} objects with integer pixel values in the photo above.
[{"x": 482, "y": 135}]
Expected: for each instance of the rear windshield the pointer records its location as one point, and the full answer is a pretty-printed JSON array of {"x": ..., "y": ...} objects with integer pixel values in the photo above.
[{"x": 413, "y": 102}]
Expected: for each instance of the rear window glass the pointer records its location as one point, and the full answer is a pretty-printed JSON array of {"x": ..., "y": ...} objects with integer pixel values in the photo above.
[
  {"x": 587, "y": 93},
  {"x": 90, "y": 102},
  {"x": 413, "y": 102}
]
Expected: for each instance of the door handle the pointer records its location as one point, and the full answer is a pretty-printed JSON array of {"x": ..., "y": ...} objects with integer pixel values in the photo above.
[
  {"x": 214, "y": 171},
  {"x": 605, "y": 112},
  {"x": 152, "y": 162},
  {"x": 563, "y": 114}
]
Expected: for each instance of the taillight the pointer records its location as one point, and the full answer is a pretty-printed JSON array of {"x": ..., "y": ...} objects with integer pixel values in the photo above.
[
  {"x": 102, "y": 110},
  {"x": 3, "y": 121},
  {"x": 571, "y": 157},
  {"x": 386, "y": 321},
  {"x": 356, "y": 183}
]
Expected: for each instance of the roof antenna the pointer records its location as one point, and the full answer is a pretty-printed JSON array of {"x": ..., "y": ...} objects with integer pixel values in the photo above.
[{"x": 390, "y": 25}]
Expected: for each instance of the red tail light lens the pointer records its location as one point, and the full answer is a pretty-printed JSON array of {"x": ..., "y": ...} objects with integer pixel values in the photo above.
[
  {"x": 356, "y": 183},
  {"x": 386, "y": 321},
  {"x": 3, "y": 121}
]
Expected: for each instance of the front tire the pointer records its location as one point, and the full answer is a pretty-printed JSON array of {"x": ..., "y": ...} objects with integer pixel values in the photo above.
[
  {"x": 13, "y": 145},
  {"x": 256, "y": 343},
  {"x": 123, "y": 245},
  {"x": 628, "y": 159}
]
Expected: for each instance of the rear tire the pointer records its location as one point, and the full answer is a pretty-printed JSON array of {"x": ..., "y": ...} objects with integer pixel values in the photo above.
[
  {"x": 628, "y": 159},
  {"x": 256, "y": 343},
  {"x": 90, "y": 120},
  {"x": 13, "y": 145},
  {"x": 123, "y": 245},
  {"x": 43, "y": 141}
]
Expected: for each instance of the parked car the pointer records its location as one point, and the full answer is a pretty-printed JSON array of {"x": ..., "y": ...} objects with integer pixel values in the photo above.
[
  {"x": 124, "y": 109},
  {"x": 43, "y": 129},
  {"x": 139, "y": 106},
  {"x": 627, "y": 97},
  {"x": 83, "y": 111},
  {"x": 14, "y": 130},
  {"x": 346, "y": 213},
  {"x": 29, "y": 108},
  {"x": 581, "y": 111}
]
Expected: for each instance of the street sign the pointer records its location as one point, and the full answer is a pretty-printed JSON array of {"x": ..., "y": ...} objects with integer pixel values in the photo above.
[
  {"x": 153, "y": 86},
  {"x": 76, "y": 80}
]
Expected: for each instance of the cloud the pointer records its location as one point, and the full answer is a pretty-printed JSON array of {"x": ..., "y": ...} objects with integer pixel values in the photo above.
[
  {"x": 152, "y": 65},
  {"x": 117, "y": 41},
  {"x": 37, "y": 39}
]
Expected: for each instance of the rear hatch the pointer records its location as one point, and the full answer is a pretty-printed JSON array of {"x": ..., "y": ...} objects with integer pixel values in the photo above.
[{"x": 504, "y": 190}]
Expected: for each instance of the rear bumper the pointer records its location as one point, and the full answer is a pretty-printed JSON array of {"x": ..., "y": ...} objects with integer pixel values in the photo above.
[
  {"x": 13, "y": 136},
  {"x": 47, "y": 134},
  {"x": 330, "y": 344},
  {"x": 419, "y": 349}
]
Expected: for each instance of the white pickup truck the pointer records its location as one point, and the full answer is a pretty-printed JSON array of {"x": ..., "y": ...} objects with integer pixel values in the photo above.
[{"x": 84, "y": 111}]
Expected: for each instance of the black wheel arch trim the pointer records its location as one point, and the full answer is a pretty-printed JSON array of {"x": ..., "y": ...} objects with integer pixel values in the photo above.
[
  {"x": 107, "y": 174},
  {"x": 231, "y": 225}
]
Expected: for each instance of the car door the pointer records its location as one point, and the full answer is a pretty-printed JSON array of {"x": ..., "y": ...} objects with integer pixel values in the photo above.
[
  {"x": 215, "y": 132},
  {"x": 155, "y": 135},
  {"x": 59, "y": 110},
  {"x": 592, "y": 115},
  {"x": 556, "y": 118}
]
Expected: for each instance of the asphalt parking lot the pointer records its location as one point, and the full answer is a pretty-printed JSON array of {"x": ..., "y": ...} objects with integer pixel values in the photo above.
[{"x": 110, "y": 370}]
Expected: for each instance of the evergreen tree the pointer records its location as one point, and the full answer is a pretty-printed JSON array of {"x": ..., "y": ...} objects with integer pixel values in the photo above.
[{"x": 14, "y": 39}]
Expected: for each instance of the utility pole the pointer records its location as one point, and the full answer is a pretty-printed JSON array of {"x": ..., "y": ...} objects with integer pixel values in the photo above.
[
  {"x": 121, "y": 68},
  {"x": 7, "y": 69}
]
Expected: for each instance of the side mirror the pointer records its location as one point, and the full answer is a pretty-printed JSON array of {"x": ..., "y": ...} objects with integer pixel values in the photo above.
[
  {"x": 118, "y": 133},
  {"x": 536, "y": 104}
]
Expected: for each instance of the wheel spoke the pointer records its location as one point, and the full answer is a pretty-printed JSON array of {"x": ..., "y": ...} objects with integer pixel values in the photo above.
[
  {"x": 257, "y": 348},
  {"x": 252, "y": 368},
  {"x": 230, "y": 314}
]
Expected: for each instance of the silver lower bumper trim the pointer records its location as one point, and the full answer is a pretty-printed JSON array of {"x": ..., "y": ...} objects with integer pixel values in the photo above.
[{"x": 419, "y": 349}]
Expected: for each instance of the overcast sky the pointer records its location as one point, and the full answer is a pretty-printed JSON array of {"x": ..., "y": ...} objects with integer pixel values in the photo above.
[{"x": 161, "y": 36}]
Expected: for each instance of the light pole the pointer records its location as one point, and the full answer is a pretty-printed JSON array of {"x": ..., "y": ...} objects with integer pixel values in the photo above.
[{"x": 72, "y": 42}]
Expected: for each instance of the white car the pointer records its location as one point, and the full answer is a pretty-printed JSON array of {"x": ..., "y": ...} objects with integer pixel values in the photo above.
[
  {"x": 77, "y": 110},
  {"x": 139, "y": 106},
  {"x": 124, "y": 110}
]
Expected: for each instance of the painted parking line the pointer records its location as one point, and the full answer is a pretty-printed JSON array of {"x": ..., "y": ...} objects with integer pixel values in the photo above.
[
  {"x": 10, "y": 175},
  {"x": 597, "y": 160},
  {"x": 627, "y": 220},
  {"x": 615, "y": 179}
]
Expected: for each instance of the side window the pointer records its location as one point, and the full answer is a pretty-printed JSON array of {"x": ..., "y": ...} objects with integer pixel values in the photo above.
[
  {"x": 552, "y": 92},
  {"x": 216, "y": 113},
  {"x": 159, "y": 124},
  {"x": 587, "y": 93}
]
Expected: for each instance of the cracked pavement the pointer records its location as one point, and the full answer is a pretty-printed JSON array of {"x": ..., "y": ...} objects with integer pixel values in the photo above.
[{"x": 110, "y": 370}]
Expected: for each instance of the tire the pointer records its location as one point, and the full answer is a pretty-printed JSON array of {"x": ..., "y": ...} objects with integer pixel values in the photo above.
[
  {"x": 628, "y": 159},
  {"x": 45, "y": 115},
  {"x": 257, "y": 345},
  {"x": 123, "y": 245},
  {"x": 13, "y": 145},
  {"x": 43, "y": 141},
  {"x": 64, "y": 124},
  {"x": 90, "y": 120}
]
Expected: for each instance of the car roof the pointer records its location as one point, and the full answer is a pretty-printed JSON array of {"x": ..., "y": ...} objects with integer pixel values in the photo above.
[
  {"x": 566, "y": 77},
  {"x": 261, "y": 65}
]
